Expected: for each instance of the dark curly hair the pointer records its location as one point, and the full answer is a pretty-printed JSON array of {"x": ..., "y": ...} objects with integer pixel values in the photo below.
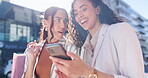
[
  {"x": 106, "y": 16},
  {"x": 78, "y": 34},
  {"x": 49, "y": 12}
]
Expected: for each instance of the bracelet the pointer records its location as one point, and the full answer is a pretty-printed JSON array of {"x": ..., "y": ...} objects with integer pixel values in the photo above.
[{"x": 94, "y": 74}]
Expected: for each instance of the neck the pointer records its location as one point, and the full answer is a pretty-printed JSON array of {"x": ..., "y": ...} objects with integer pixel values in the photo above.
[
  {"x": 95, "y": 28},
  {"x": 53, "y": 40}
]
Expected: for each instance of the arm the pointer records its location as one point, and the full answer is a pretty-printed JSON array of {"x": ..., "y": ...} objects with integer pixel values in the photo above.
[
  {"x": 129, "y": 52},
  {"x": 76, "y": 68},
  {"x": 30, "y": 67},
  {"x": 31, "y": 56}
]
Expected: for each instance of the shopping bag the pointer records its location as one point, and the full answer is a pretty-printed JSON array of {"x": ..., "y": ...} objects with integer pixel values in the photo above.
[{"x": 18, "y": 65}]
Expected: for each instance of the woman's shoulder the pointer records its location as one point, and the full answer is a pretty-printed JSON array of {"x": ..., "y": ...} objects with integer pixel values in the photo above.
[{"x": 120, "y": 27}]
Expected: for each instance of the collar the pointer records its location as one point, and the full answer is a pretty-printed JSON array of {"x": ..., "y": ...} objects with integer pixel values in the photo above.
[{"x": 90, "y": 41}]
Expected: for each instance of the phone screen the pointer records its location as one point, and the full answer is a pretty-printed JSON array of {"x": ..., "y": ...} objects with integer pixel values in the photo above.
[{"x": 57, "y": 50}]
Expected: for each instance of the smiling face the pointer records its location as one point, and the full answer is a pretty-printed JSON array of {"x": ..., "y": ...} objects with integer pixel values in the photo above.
[
  {"x": 86, "y": 14},
  {"x": 60, "y": 23}
]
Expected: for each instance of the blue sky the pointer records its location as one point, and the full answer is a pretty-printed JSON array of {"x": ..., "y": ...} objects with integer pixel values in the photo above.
[
  {"x": 42, "y": 5},
  {"x": 140, "y": 6}
]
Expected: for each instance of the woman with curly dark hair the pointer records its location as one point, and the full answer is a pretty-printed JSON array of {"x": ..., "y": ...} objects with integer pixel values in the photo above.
[{"x": 111, "y": 49}]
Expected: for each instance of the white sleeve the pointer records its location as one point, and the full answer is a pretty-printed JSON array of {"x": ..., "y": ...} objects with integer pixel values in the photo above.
[{"x": 129, "y": 52}]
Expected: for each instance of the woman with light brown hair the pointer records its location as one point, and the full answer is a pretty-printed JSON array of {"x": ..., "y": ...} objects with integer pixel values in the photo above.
[{"x": 38, "y": 64}]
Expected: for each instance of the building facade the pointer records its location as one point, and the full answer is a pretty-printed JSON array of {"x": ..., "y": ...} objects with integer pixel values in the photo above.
[
  {"x": 139, "y": 23},
  {"x": 18, "y": 26}
]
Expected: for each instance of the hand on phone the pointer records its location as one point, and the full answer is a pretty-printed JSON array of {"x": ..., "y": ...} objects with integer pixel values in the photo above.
[{"x": 57, "y": 50}]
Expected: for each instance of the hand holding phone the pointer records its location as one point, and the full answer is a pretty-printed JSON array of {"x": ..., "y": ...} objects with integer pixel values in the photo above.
[{"x": 57, "y": 50}]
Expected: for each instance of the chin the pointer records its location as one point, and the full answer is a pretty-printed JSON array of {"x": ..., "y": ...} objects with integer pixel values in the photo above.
[
  {"x": 60, "y": 37},
  {"x": 86, "y": 28}
]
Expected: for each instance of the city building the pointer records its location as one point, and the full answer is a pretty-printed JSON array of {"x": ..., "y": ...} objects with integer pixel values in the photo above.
[
  {"x": 18, "y": 26},
  {"x": 139, "y": 23}
]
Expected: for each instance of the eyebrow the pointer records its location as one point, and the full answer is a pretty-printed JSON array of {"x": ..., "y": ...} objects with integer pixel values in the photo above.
[
  {"x": 60, "y": 18},
  {"x": 81, "y": 7},
  {"x": 57, "y": 17}
]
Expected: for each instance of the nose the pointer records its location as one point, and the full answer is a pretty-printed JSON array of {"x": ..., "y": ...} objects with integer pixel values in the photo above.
[
  {"x": 63, "y": 24},
  {"x": 80, "y": 15}
]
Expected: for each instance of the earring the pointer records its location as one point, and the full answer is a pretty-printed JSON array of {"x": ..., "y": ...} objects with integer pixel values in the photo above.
[{"x": 46, "y": 29}]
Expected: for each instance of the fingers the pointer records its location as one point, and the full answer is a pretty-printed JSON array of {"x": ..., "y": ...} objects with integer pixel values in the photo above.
[
  {"x": 59, "y": 74},
  {"x": 58, "y": 60},
  {"x": 31, "y": 43},
  {"x": 28, "y": 45},
  {"x": 60, "y": 67},
  {"x": 33, "y": 48},
  {"x": 73, "y": 56},
  {"x": 34, "y": 41}
]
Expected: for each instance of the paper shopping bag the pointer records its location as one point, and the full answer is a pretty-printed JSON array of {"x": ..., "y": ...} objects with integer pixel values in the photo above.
[{"x": 18, "y": 65}]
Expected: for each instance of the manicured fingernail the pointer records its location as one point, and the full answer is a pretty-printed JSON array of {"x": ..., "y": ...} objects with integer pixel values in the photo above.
[
  {"x": 34, "y": 40},
  {"x": 50, "y": 57},
  {"x": 29, "y": 46}
]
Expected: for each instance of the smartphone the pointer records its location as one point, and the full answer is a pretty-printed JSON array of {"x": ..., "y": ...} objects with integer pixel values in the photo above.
[{"x": 57, "y": 50}]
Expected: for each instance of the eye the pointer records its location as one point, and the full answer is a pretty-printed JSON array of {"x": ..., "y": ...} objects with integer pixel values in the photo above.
[
  {"x": 84, "y": 9},
  {"x": 57, "y": 20}
]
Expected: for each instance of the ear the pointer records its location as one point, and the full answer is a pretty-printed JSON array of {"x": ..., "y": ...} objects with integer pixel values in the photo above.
[
  {"x": 97, "y": 10},
  {"x": 44, "y": 22}
]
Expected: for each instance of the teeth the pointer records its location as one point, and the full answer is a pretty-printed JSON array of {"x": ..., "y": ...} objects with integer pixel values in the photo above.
[{"x": 83, "y": 21}]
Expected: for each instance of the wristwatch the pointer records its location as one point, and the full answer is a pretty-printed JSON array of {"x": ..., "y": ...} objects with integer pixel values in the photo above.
[{"x": 94, "y": 74}]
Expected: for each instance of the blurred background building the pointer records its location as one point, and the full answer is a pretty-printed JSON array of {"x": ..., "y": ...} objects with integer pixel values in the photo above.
[
  {"x": 20, "y": 25},
  {"x": 139, "y": 23}
]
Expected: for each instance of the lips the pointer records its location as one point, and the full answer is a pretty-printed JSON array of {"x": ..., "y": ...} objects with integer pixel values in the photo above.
[
  {"x": 61, "y": 32},
  {"x": 83, "y": 21}
]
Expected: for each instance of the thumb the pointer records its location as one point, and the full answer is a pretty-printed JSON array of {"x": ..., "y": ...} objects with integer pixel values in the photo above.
[{"x": 73, "y": 56}]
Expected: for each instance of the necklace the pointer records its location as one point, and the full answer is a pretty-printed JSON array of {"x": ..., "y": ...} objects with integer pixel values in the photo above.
[{"x": 94, "y": 40}]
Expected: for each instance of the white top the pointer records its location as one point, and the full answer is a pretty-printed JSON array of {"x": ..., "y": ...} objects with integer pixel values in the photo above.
[{"x": 115, "y": 50}]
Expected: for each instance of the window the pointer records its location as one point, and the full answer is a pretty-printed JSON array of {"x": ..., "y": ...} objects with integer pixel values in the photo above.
[
  {"x": 28, "y": 34},
  {"x": 7, "y": 31},
  {"x": 13, "y": 35},
  {"x": 1, "y": 26},
  {"x": 20, "y": 33},
  {"x": 1, "y": 30}
]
